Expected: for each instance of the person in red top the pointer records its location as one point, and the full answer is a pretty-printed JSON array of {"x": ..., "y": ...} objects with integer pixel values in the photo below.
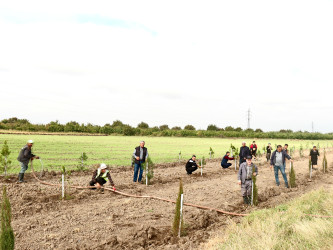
[
  {"x": 225, "y": 159},
  {"x": 253, "y": 149}
]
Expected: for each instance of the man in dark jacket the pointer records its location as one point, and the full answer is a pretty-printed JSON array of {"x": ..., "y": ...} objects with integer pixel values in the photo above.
[
  {"x": 101, "y": 176},
  {"x": 140, "y": 155},
  {"x": 191, "y": 165},
  {"x": 246, "y": 171},
  {"x": 278, "y": 160},
  {"x": 243, "y": 153},
  {"x": 314, "y": 154},
  {"x": 24, "y": 157},
  {"x": 268, "y": 152},
  {"x": 226, "y": 158}
]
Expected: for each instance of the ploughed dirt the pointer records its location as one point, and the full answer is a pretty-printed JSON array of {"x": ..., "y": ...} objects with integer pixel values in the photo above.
[{"x": 91, "y": 220}]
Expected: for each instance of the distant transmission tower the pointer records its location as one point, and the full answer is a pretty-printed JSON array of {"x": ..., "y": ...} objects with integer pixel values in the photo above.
[{"x": 248, "y": 118}]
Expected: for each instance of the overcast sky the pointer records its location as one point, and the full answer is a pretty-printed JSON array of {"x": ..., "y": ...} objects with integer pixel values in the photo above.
[{"x": 169, "y": 62}]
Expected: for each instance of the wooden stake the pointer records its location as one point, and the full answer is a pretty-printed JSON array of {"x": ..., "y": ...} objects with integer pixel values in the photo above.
[
  {"x": 63, "y": 186},
  {"x": 181, "y": 213},
  {"x": 41, "y": 173},
  {"x": 147, "y": 174},
  {"x": 201, "y": 167},
  {"x": 252, "y": 194},
  {"x": 311, "y": 172},
  {"x": 290, "y": 168},
  {"x": 210, "y": 155}
]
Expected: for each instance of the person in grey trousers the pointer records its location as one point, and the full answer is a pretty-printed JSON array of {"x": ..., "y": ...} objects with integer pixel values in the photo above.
[
  {"x": 278, "y": 161},
  {"x": 140, "y": 155},
  {"x": 246, "y": 170},
  {"x": 24, "y": 157}
]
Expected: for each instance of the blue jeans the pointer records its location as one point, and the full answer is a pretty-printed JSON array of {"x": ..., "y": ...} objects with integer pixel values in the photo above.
[
  {"x": 24, "y": 167},
  {"x": 137, "y": 167},
  {"x": 283, "y": 172}
]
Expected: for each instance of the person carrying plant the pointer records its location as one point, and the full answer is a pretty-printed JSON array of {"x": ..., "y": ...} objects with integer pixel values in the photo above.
[
  {"x": 245, "y": 174},
  {"x": 24, "y": 157},
  {"x": 278, "y": 160},
  {"x": 243, "y": 153},
  {"x": 101, "y": 176},
  {"x": 225, "y": 159},
  {"x": 191, "y": 165},
  {"x": 140, "y": 155},
  {"x": 314, "y": 154},
  {"x": 268, "y": 152},
  {"x": 253, "y": 149}
]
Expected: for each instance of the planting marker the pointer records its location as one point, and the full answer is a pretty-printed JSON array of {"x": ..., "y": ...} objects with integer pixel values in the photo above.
[{"x": 181, "y": 213}]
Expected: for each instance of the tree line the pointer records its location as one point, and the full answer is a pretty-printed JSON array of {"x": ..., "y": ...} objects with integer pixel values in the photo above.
[{"x": 143, "y": 129}]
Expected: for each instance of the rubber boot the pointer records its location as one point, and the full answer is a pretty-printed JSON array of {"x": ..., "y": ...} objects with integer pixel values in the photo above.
[
  {"x": 20, "y": 177},
  {"x": 249, "y": 198}
]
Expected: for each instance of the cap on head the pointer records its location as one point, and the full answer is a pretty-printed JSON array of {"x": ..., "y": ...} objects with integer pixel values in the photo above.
[
  {"x": 249, "y": 157},
  {"x": 103, "y": 166},
  {"x": 30, "y": 141}
]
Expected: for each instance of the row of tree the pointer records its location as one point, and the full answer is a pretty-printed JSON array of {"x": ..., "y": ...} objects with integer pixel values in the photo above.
[{"x": 143, "y": 129}]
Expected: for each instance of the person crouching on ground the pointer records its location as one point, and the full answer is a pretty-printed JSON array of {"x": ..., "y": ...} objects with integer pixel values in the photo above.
[
  {"x": 245, "y": 174},
  {"x": 226, "y": 158},
  {"x": 191, "y": 165},
  {"x": 101, "y": 176},
  {"x": 278, "y": 160}
]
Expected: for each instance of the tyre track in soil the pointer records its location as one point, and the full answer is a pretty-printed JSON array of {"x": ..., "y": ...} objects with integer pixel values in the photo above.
[{"x": 100, "y": 221}]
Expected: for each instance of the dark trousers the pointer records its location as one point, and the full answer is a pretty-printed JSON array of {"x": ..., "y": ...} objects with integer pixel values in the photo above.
[
  {"x": 226, "y": 165},
  {"x": 191, "y": 170},
  {"x": 138, "y": 169},
  {"x": 99, "y": 180}
]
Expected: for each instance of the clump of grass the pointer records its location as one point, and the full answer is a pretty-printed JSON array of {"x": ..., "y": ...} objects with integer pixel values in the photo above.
[{"x": 283, "y": 227}]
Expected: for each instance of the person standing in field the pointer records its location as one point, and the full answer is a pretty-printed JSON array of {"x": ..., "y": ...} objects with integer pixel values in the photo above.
[
  {"x": 268, "y": 152},
  {"x": 140, "y": 155},
  {"x": 253, "y": 149},
  {"x": 285, "y": 149},
  {"x": 246, "y": 171},
  {"x": 277, "y": 161},
  {"x": 191, "y": 165},
  {"x": 24, "y": 157},
  {"x": 225, "y": 159},
  {"x": 314, "y": 155},
  {"x": 101, "y": 176},
  {"x": 243, "y": 153}
]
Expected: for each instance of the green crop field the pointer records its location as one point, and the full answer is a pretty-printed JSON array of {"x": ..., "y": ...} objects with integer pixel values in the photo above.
[{"x": 60, "y": 150}]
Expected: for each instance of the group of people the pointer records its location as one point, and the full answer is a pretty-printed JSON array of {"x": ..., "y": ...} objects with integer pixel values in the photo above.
[{"x": 247, "y": 169}]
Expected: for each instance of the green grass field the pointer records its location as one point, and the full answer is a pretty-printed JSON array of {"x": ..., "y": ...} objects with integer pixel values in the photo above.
[{"x": 59, "y": 150}]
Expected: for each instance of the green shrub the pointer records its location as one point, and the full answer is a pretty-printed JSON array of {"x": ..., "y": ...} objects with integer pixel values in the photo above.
[
  {"x": 292, "y": 177},
  {"x": 255, "y": 188},
  {"x": 82, "y": 162},
  {"x": 7, "y": 239},
  {"x": 325, "y": 162},
  {"x": 150, "y": 174},
  {"x": 5, "y": 163},
  {"x": 211, "y": 152}
]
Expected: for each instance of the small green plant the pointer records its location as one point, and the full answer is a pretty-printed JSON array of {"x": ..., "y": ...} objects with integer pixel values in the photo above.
[
  {"x": 151, "y": 166},
  {"x": 132, "y": 161},
  {"x": 67, "y": 174},
  {"x": 82, "y": 162},
  {"x": 259, "y": 153},
  {"x": 202, "y": 162},
  {"x": 264, "y": 149},
  {"x": 325, "y": 162},
  {"x": 179, "y": 155},
  {"x": 235, "y": 151},
  {"x": 7, "y": 238},
  {"x": 178, "y": 220},
  {"x": 5, "y": 163},
  {"x": 301, "y": 151},
  {"x": 255, "y": 188},
  {"x": 211, "y": 153},
  {"x": 292, "y": 177}
]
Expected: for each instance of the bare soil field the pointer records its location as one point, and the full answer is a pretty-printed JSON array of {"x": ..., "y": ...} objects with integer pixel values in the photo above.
[{"x": 91, "y": 220}]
